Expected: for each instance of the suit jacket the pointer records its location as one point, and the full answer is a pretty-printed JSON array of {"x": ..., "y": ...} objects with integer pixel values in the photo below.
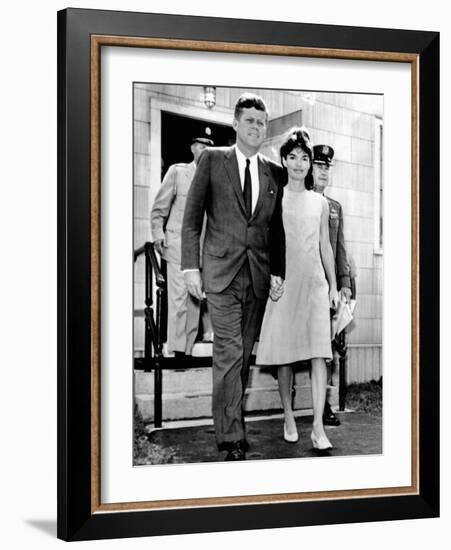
[
  {"x": 337, "y": 242},
  {"x": 230, "y": 238},
  {"x": 167, "y": 212}
]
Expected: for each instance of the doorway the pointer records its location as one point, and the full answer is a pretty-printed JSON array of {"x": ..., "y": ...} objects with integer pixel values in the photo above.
[{"x": 177, "y": 131}]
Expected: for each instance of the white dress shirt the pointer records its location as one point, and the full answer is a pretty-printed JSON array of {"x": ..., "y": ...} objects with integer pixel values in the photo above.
[{"x": 253, "y": 168}]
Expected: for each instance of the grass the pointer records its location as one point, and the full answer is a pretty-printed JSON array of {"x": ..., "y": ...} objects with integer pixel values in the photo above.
[
  {"x": 145, "y": 452},
  {"x": 366, "y": 397}
]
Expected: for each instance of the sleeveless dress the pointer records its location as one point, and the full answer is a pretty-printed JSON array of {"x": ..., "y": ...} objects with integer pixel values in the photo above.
[{"x": 297, "y": 326}]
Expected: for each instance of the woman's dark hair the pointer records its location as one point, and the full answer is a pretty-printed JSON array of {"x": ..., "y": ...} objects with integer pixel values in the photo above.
[{"x": 298, "y": 137}]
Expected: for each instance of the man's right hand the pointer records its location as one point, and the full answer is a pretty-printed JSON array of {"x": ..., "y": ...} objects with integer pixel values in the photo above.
[
  {"x": 193, "y": 283},
  {"x": 276, "y": 288},
  {"x": 159, "y": 245}
]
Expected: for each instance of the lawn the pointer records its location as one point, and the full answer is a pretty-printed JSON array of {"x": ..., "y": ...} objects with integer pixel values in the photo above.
[{"x": 366, "y": 397}]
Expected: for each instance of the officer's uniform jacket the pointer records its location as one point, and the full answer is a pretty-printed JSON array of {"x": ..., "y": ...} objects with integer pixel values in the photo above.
[
  {"x": 166, "y": 222},
  {"x": 337, "y": 242},
  {"x": 167, "y": 212}
]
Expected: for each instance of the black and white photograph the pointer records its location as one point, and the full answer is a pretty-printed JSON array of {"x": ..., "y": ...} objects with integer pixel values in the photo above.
[{"x": 258, "y": 273}]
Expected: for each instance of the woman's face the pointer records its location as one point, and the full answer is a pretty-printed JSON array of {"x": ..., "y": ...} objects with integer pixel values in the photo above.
[{"x": 297, "y": 164}]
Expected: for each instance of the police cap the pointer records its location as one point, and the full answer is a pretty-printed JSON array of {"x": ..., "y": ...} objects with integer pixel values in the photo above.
[
  {"x": 204, "y": 140},
  {"x": 323, "y": 154}
]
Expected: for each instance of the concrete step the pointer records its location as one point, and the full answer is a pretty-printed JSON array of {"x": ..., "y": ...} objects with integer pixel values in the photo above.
[
  {"x": 187, "y": 393},
  {"x": 200, "y": 379},
  {"x": 178, "y": 406},
  {"x": 200, "y": 349}
]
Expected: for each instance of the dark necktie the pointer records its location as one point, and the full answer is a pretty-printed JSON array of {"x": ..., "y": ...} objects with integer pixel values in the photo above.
[{"x": 247, "y": 190}]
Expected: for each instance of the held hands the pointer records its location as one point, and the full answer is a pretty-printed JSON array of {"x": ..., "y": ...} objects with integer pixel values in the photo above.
[
  {"x": 193, "y": 283},
  {"x": 159, "y": 245},
  {"x": 333, "y": 298},
  {"x": 276, "y": 288}
]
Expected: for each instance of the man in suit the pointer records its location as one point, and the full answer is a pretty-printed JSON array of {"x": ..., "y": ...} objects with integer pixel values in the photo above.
[
  {"x": 166, "y": 224},
  {"x": 243, "y": 257},
  {"x": 322, "y": 171}
]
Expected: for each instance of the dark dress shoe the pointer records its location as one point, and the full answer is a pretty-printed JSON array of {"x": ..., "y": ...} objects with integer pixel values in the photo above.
[
  {"x": 228, "y": 445},
  {"x": 244, "y": 445},
  {"x": 329, "y": 417},
  {"x": 236, "y": 452}
]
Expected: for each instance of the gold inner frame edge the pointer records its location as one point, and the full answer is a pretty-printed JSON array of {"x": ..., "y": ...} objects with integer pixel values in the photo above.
[{"x": 97, "y": 41}]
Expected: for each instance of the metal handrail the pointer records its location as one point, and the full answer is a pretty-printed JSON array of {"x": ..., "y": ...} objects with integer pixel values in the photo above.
[
  {"x": 149, "y": 249},
  {"x": 153, "y": 345}
]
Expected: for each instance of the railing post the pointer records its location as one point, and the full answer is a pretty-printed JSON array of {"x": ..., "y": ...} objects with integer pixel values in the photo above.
[
  {"x": 153, "y": 345},
  {"x": 158, "y": 390},
  {"x": 342, "y": 353},
  {"x": 158, "y": 395},
  {"x": 154, "y": 331},
  {"x": 148, "y": 313}
]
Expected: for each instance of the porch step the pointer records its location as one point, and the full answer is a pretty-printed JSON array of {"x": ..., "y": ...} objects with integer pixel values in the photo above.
[
  {"x": 187, "y": 393},
  {"x": 200, "y": 349}
]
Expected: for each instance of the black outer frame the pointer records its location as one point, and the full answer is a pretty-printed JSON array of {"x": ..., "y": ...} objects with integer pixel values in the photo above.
[{"x": 75, "y": 520}]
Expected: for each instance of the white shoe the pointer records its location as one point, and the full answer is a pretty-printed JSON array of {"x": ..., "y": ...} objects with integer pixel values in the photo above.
[
  {"x": 291, "y": 438},
  {"x": 320, "y": 443}
]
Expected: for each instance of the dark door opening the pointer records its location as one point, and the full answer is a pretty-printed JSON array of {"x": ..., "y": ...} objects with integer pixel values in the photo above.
[{"x": 177, "y": 132}]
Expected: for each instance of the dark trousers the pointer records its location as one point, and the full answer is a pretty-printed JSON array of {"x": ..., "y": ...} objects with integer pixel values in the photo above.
[{"x": 236, "y": 315}]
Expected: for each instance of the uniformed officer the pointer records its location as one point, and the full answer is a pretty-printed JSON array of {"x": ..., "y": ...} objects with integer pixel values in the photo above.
[
  {"x": 322, "y": 171},
  {"x": 166, "y": 225}
]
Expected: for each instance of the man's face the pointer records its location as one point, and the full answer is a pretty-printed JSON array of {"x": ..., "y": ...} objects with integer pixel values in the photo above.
[
  {"x": 196, "y": 149},
  {"x": 321, "y": 176},
  {"x": 250, "y": 130}
]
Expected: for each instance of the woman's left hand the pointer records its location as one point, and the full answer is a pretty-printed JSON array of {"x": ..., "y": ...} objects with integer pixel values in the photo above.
[{"x": 333, "y": 298}]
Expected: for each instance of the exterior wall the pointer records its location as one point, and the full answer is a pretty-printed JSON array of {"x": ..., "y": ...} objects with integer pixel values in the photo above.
[
  {"x": 346, "y": 122},
  {"x": 141, "y": 196}
]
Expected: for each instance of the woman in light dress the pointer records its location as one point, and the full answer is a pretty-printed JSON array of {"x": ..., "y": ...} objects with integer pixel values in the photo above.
[{"x": 296, "y": 324}]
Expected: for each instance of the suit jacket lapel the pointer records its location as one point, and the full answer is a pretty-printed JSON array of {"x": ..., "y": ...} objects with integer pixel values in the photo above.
[
  {"x": 263, "y": 176},
  {"x": 231, "y": 166}
]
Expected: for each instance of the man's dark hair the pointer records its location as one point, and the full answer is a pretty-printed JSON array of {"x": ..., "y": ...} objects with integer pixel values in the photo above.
[
  {"x": 247, "y": 101},
  {"x": 298, "y": 137}
]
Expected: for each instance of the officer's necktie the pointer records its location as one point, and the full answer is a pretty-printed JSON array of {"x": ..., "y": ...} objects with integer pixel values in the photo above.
[{"x": 247, "y": 190}]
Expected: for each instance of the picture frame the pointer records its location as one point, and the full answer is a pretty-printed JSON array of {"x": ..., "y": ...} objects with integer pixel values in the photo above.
[{"x": 81, "y": 35}]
